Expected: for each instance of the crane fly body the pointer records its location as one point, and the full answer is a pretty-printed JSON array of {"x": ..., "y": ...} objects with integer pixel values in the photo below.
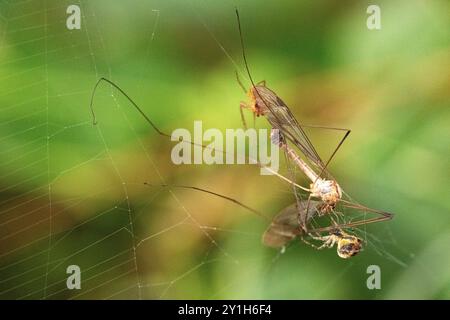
[{"x": 265, "y": 102}]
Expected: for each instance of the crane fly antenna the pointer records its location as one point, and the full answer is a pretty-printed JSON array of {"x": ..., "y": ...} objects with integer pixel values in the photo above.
[
  {"x": 240, "y": 82},
  {"x": 244, "y": 56},
  {"x": 243, "y": 48}
]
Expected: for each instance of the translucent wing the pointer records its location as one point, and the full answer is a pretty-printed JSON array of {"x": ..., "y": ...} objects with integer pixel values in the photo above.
[
  {"x": 280, "y": 117},
  {"x": 375, "y": 216},
  {"x": 285, "y": 227}
]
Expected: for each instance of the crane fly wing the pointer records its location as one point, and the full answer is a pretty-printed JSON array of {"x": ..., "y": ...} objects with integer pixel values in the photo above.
[
  {"x": 285, "y": 227},
  {"x": 381, "y": 216},
  {"x": 280, "y": 117}
]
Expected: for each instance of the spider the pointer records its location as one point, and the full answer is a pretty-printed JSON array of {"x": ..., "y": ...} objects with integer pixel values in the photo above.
[{"x": 347, "y": 245}]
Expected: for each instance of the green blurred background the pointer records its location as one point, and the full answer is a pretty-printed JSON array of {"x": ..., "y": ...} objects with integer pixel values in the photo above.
[{"x": 74, "y": 193}]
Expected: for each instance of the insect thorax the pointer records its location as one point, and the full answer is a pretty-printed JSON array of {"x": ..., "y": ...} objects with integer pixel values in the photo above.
[{"x": 327, "y": 190}]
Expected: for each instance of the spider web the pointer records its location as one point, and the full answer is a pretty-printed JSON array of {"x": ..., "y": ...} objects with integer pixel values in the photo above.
[{"x": 71, "y": 197}]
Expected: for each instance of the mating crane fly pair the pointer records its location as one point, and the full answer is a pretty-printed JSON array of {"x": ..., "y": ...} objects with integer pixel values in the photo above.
[{"x": 325, "y": 195}]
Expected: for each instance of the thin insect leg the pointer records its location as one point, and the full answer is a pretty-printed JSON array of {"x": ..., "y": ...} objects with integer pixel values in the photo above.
[
  {"x": 347, "y": 132},
  {"x": 337, "y": 215},
  {"x": 334, "y": 153},
  {"x": 243, "y": 48},
  {"x": 222, "y": 48},
  {"x": 284, "y": 178},
  {"x": 385, "y": 216},
  {"x": 94, "y": 119},
  {"x": 331, "y": 242},
  {"x": 325, "y": 240},
  {"x": 328, "y": 241},
  {"x": 333, "y": 222},
  {"x": 243, "y": 106},
  {"x": 166, "y": 135},
  {"x": 214, "y": 194},
  {"x": 135, "y": 105},
  {"x": 261, "y": 83},
  {"x": 311, "y": 230},
  {"x": 310, "y": 244},
  {"x": 323, "y": 127}
]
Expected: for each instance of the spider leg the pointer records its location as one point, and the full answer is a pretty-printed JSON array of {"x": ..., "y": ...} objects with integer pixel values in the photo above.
[{"x": 311, "y": 244}]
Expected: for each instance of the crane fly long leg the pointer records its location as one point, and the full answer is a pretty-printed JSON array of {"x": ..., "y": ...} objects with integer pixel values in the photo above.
[
  {"x": 335, "y": 150},
  {"x": 243, "y": 106},
  {"x": 347, "y": 132},
  {"x": 239, "y": 203},
  {"x": 383, "y": 216},
  {"x": 334, "y": 153},
  {"x": 323, "y": 127},
  {"x": 350, "y": 225},
  {"x": 135, "y": 105},
  {"x": 94, "y": 119}
]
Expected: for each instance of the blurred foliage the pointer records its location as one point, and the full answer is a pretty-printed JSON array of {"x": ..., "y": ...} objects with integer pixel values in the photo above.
[{"x": 83, "y": 184}]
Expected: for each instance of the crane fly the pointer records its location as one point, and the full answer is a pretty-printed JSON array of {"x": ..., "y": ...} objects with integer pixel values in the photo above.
[{"x": 265, "y": 102}]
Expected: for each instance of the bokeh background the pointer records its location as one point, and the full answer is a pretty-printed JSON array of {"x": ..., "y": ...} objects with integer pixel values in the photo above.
[{"x": 74, "y": 194}]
